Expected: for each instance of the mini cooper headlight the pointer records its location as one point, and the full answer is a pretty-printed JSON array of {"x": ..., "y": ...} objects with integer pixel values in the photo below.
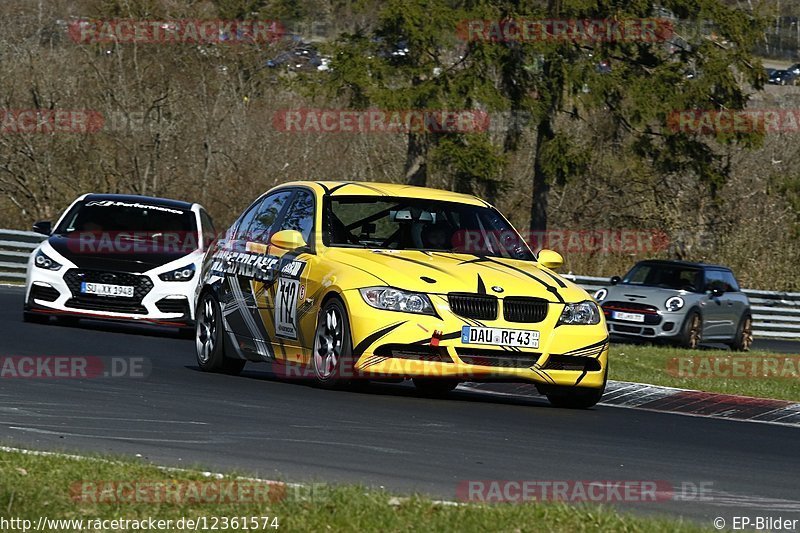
[
  {"x": 181, "y": 274},
  {"x": 583, "y": 313},
  {"x": 396, "y": 300},
  {"x": 600, "y": 295},
  {"x": 42, "y": 261},
  {"x": 674, "y": 303}
]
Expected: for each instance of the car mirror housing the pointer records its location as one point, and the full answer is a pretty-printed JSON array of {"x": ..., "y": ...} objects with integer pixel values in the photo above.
[
  {"x": 615, "y": 279},
  {"x": 550, "y": 259},
  {"x": 716, "y": 292},
  {"x": 288, "y": 239},
  {"x": 45, "y": 227}
]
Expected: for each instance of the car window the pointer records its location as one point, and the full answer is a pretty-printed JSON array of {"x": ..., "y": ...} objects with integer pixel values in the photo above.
[
  {"x": 397, "y": 223},
  {"x": 246, "y": 219},
  {"x": 667, "y": 276},
  {"x": 300, "y": 215},
  {"x": 721, "y": 279},
  {"x": 261, "y": 227},
  {"x": 207, "y": 227}
]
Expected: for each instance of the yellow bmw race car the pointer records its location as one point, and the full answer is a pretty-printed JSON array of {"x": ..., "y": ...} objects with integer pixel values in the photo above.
[{"x": 337, "y": 281}]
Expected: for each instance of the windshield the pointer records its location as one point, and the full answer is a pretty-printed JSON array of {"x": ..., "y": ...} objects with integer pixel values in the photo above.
[
  {"x": 418, "y": 224},
  {"x": 138, "y": 220},
  {"x": 666, "y": 276}
]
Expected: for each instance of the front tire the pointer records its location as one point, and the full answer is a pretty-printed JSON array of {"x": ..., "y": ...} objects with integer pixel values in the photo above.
[
  {"x": 332, "y": 358},
  {"x": 744, "y": 335},
  {"x": 692, "y": 332},
  {"x": 209, "y": 342}
]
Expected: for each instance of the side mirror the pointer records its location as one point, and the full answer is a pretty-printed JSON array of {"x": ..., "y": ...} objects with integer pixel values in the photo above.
[
  {"x": 288, "y": 239},
  {"x": 45, "y": 227},
  {"x": 615, "y": 279},
  {"x": 550, "y": 259},
  {"x": 716, "y": 292}
]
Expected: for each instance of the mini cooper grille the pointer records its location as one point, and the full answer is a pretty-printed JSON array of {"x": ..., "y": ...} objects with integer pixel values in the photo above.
[
  {"x": 120, "y": 304},
  {"x": 497, "y": 358},
  {"x": 522, "y": 309},
  {"x": 477, "y": 306},
  {"x": 570, "y": 362},
  {"x": 48, "y": 294},
  {"x": 651, "y": 316}
]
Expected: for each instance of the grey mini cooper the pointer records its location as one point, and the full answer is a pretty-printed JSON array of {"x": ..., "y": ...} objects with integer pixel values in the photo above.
[{"x": 678, "y": 302}]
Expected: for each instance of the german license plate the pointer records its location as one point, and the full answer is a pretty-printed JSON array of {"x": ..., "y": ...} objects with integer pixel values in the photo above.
[
  {"x": 522, "y": 338},
  {"x": 105, "y": 289},
  {"x": 630, "y": 317}
]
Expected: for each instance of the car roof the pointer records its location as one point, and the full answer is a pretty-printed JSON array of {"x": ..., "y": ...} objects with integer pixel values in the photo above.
[
  {"x": 131, "y": 198},
  {"x": 368, "y": 188},
  {"x": 676, "y": 262}
]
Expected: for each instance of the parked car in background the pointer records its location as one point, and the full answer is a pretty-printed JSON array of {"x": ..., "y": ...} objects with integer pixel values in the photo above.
[
  {"x": 119, "y": 257},
  {"x": 783, "y": 77},
  {"x": 678, "y": 302}
]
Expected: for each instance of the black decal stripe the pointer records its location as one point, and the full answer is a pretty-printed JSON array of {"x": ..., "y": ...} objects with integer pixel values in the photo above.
[
  {"x": 324, "y": 187},
  {"x": 589, "y": 348},
  {"x": 481, "y": 285},
  {"x": 546, "y": 285},
  {"x": 418, "y": 262},
  {"x": 369, "y": 339},
  {"x": 556, "y": 279}
]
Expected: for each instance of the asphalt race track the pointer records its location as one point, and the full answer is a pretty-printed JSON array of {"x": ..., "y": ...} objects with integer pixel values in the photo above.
[{"x": 382, "y": 436}]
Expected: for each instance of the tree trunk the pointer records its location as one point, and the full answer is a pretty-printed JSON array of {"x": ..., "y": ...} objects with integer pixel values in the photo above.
[
  {"x": 541, "y": 182},
  {"x": 416, "y": 167}
]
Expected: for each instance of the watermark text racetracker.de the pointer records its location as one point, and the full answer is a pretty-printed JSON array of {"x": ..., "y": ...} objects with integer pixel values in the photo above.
[
  {"x": 176, "y": 492},
  {"x": 735, "y": 367},
  {"x": 648, "y": 30},
  {"x": 73, "y": 367},
  {"x": 578, "y": 491},
  {"x": 175, "y": 31},
  {"x": 733, "y": 121}
]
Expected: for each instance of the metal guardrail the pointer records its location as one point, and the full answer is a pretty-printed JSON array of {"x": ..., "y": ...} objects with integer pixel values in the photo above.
[
  {"x": 15, "y": 247},
  {"x": 775, "y": 314}
]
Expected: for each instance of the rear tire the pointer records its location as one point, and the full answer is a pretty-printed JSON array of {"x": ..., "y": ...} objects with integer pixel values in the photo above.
[
  {"x": 209, "y": 341},
  {"x": 692, "y": 331},
  {"x": 435, "y": 387},
  {"x": 744, "y": 335},
  {"x": 332, "y": 359}
]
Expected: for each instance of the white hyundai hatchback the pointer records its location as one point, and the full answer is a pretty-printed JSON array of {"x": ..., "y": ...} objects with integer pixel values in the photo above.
[{"x": 119, "y": 257}]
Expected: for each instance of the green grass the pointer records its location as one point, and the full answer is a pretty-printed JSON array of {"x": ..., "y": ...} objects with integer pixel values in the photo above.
[
  {"x": 33, "y": 485},
  {"x": 651, "y": 364}
]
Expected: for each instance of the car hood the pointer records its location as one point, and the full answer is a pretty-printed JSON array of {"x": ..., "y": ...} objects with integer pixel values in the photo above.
[
  {"x": 645, "y": 295},
  {"x": 108, "y": 256},
  {"x": 441, "y": 273}
]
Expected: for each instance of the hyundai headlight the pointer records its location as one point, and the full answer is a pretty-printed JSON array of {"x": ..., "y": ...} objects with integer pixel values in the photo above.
[
  {"x": 583, "y": 313},
  {"x": 674, "y": 304},
  {"x": 180, "y": 274},
  {"x": 396, "y": 300},
  {"x": 43, "y": 261}
]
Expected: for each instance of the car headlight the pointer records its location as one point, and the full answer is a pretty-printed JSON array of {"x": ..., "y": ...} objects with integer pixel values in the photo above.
[
  {"x": 396, "y": 300},
  {"x": 600, "y": 295},
  {"x": 674, "y": 303},
  {"x": 181, "y": 274},
  {"x": 43, "y": 261},
  {"x": 583, "y": 313}
]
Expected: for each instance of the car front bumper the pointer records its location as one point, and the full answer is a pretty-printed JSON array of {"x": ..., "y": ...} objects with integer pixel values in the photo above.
[{"x": 391, "y": 344}]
